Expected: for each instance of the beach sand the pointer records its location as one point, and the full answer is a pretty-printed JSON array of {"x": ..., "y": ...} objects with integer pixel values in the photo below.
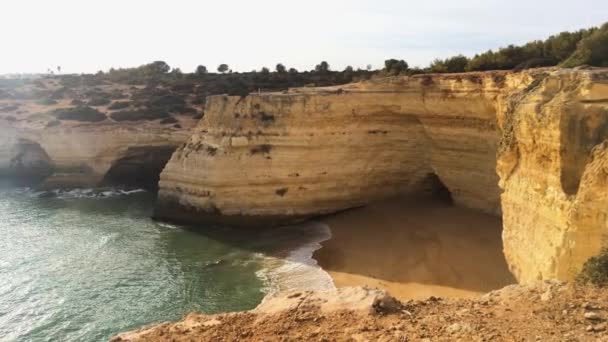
[{"x": 416, "y": 248}]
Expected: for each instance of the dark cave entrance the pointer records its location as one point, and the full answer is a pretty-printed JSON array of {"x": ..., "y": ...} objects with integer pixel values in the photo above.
[
  {"x": 436, "y": 190},
  {"x": 139, "y": 167}
]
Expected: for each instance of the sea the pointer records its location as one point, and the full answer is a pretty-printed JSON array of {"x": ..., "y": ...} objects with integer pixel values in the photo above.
[{"x": 87, "y": 264}]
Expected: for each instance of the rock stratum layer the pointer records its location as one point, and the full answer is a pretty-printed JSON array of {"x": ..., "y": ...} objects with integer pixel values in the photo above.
[{"x": 529, "y": 146}]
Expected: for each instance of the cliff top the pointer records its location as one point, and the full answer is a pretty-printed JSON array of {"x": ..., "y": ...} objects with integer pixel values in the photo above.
[{"x": 544, "y": 311}]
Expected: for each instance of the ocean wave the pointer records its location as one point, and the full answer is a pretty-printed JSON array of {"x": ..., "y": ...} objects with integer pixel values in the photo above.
[
  {"x": 105, "y": 239},
  {"x": 298, "y": 270},
  {"x": 167, "y": 225}
]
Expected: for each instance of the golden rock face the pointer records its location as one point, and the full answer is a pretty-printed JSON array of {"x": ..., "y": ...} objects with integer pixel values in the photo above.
[
  {"x": 527, "y": 146},
  {"x": 553, "y": 173}
]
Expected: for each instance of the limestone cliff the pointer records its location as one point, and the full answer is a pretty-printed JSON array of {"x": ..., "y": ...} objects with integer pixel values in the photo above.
[
  {"x": 512, "y": 143},
  {"x": 85, "y": 155},
  {"x": 314, "y": 151},
  {"x": 42, "y": 146},
  {"x": 553, "y": 167}
]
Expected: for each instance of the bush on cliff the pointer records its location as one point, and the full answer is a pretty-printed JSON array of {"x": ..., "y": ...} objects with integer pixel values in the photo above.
[
  {"x": 395, "y": 67},
  {"x": 86, "y": 114},
  {"x": 592, "y": 50},
  {"x": 452, "y": 64},
  {"x": 170, "y": 103},
  {"x": 595, "y": 270},
  {"x": 140, "y": 114},
  {"x": 46, "y": 102},
  {"x": 119, "y": 105},
  {"x": 99, "y": 101}
]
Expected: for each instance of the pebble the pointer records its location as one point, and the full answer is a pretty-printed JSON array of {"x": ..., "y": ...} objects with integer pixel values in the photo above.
[
  {"x": 547, "y": 296},
  {"x": 596, "y": 328},
  {"x": 590, "y": 306},
  {"x": 592, "y": 316},
  {"x": 453, "y": 328}
]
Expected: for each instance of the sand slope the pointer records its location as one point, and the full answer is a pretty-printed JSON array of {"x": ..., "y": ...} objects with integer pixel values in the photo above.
[{"x": 416, "y": 248}]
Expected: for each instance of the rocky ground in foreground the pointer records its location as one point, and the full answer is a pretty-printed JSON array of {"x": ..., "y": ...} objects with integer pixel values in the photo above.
[{"x": 549, "y": 311}]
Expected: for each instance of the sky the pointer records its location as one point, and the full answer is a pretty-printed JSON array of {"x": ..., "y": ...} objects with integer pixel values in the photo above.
[{"x": 91, "y": 35}]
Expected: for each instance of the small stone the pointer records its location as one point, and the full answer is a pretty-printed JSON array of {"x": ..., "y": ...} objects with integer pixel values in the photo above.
[
  {"x": 547, "y": 296},
  {"x": 462, "y": 312},
  {"x": 212, "y": 322},
  {"x": 565, "y": 312},
  {"x": 592, "y": 316},
  {"x": 590, "y": 306},
  {"x": 454, "y": 328}
]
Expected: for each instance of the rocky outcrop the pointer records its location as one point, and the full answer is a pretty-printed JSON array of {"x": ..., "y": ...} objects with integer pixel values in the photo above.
[
  {"x": 64, "y": 132},
  {"x": 553, "y": 166},
  {"x": 548, "y": 311},
  {"x": 525, "y": 145},
  {"x": 22, "y": 159},
  {"x": 90, "y": 154}
]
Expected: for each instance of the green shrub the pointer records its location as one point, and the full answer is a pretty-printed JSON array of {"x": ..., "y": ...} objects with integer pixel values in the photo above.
[
  {"x": 595, "y": 270},
  {"x": 77, "y": 102},
  {"x": 46, "y": 102},
  {"x": 592, "y": 50},
  {"x": 118, "y": 95},
  {"x": 451, "y": 65},
  {"x": 395, "y": 67},
  {"x": 136, "y": 115},
  {"x": 86, "y": 114},
  {"x": 9, "y": 108},
  {"x": 99, "y": 101},
  {"x": 533, "y": 63},
  {"x": 119, "y": 105},
  {"x": 189, "y": 111},
  {"x": 53, "y": 123},
  {"x": 170, "y": 103},
  {"x": 169, "y": 120}
]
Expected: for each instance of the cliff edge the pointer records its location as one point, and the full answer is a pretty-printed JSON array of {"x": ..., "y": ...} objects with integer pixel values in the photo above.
[{"x": 548, "y": 311}]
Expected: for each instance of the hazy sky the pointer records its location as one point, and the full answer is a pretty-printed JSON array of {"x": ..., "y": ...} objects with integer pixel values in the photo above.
[{"x": 91, "y": 35}]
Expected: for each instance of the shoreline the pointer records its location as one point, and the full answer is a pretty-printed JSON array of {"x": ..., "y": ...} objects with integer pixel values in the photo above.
[
  {"x": 415, "y": 248},
  {"x": 294, "y": 266}
]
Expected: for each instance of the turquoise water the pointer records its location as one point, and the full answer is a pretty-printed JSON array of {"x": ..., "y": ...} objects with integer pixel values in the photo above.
[{"x": 83, "y": 266}]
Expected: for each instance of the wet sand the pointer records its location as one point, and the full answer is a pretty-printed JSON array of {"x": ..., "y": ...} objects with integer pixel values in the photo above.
[{"x": 416, "y": 248}]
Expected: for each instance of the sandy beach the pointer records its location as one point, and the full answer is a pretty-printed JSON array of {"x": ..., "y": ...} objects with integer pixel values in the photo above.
[{"x": 416, "y": 248}]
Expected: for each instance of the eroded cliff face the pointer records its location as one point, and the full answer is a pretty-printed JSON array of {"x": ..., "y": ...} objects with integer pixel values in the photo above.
[
  {"x": 94, "y": 145},
  {"x": 85, "y": 155},
  {"x": 553, "y": 166},
  {"x": 525, "y": 145},
  {"x": 313, "y": 151}
]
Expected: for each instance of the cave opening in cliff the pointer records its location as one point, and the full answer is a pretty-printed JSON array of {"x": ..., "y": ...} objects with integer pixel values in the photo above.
[
  {"x": 434, "y": 187},
  {"x": 139, "y": 167}
]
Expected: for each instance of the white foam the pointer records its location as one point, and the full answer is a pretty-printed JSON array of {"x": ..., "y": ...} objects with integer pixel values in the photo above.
[
  {"x": 167, "y": 225},
  {"x": 299, "y": 270},
  {"x": 107, "y": 238},
  {"x": 80, "y": 193}
]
